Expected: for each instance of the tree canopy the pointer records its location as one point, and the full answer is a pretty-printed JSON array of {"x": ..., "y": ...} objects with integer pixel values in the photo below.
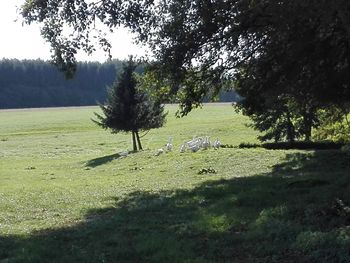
[
  {"x": 215, "y": 37},
  {"x": 263, "y": 48}
]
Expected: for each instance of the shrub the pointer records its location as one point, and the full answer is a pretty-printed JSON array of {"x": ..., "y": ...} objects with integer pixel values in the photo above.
[
  {"x": 301, "y": 145},
  {"x": 326, "y": 145},
  {"x": 249, "y": 145}
]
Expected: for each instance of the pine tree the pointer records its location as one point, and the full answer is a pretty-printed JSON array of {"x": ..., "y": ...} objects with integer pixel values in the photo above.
[{"x": 128, "y": 108}]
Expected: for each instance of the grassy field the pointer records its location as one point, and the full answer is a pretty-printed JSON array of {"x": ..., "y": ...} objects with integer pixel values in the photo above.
[{"x": 67, "y": 196}]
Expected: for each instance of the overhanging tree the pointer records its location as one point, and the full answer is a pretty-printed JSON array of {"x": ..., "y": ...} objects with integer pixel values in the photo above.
[
  {"x": 199, "y": 44},
  {"x": 129, "y": 109}
]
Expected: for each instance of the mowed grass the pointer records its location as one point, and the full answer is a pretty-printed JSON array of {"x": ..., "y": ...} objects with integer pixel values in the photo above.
[{"x": 67, "y": 196}]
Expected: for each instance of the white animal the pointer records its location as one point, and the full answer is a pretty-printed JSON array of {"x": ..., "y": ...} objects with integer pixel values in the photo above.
[
  {"x": 169, "y": 145},
  {"x": 159, "y": 152},
  {"x": 183, "y": 147},
  {"x": 217, "y": 143},
  {"x": 194, "y": 147},
  {"x": 206, "y": 143},
  {"x": 124, "y": 154},
  {"x": 196, "y": 142}
]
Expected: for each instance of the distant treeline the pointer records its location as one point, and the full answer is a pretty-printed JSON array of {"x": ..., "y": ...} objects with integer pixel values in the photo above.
[{"x": 37, "y": 83}]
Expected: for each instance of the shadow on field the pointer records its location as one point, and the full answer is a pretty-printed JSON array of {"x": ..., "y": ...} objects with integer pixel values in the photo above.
[
  {"x": 102, "y": 160},
  {"x": 263, "y": 218}
]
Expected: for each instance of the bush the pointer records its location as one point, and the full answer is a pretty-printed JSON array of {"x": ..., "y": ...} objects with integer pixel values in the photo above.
[
  {"x": 249, "y": 145},
  {"x": 227, "y": 146},
  {"x": 334, "y": 126},
  {"x": 324, "y": 145}
]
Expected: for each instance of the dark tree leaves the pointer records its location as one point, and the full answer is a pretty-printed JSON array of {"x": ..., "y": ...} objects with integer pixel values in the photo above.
[{"x": 282, "y": 47}]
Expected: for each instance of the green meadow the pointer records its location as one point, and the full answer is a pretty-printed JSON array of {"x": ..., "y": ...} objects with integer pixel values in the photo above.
[{"x": 66, "y": 195}]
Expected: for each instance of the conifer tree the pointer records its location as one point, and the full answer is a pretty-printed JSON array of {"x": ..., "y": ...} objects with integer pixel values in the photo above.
[{"x": 128, "y": 108}]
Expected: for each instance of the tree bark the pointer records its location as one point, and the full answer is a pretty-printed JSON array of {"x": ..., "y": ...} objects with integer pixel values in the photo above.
[
  {"x": 138, "y": 140},
  {"x": 290, "y": 129},
  {"x": 134, "y": 142},
  {"x": 308, "y": 134},
  {"x": 308, "y": 127}
]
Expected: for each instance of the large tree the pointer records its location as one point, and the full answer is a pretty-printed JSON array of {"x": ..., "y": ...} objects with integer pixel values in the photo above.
[
  {"x": 304, "y": 60},
  {"x": 128, "y": 108},
  {"x": 200, "y": 44}
]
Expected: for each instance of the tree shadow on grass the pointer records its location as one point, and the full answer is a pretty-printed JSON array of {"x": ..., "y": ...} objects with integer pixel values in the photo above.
[
  {"x": 102, "y": 160},
  {"x": 326, "y": 162},
  {"x": 248, "y": 219}
]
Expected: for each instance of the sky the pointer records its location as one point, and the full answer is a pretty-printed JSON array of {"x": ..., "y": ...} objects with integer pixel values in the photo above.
[{"x": 24, "y": 42}]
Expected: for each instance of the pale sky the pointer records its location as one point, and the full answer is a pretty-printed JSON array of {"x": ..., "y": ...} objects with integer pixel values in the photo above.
[{"x": 25, "y": 42}]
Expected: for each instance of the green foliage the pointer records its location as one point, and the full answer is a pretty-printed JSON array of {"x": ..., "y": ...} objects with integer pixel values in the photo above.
[
  {"x": 325, "y": 145},
  {"x": 289, "y": 57},
  {"x": 281, "y": 114},
  {"x": 249, "y": 145},
  {"x": 129, "y": 109},
  {"x": 156, "y": 88},
  {"x": 319, "y": 145},
  {"x": 334, "y": 126}
]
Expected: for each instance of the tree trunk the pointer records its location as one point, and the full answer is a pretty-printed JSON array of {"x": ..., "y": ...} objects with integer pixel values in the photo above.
[
  {"x": 290, "y": 129},
  {"x": 134, "y": 142},
  {"x": 307, "y": 127},
  {"x": 308, "y": 133},
  {"x": 138, "y": 140}
]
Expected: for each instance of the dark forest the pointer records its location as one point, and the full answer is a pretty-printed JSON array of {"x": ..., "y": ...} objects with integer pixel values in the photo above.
[{"x": 37, "y": 83}]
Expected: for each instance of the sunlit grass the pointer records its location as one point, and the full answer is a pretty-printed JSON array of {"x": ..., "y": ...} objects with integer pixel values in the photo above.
[{"x": 45, "y": 155}]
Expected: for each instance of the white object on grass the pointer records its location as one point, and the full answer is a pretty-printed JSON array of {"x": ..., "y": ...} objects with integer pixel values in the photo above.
[
  {"x": 206, "y": 143},
  {"x": 217, "y": 143},
  {"x": 183, "y": 147},
  {"x": 124, "y": 154},
  {"x": 194, "y": 147},
  {"x": 169, "y": 145},
  {"x": 159, "y": 152}
]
